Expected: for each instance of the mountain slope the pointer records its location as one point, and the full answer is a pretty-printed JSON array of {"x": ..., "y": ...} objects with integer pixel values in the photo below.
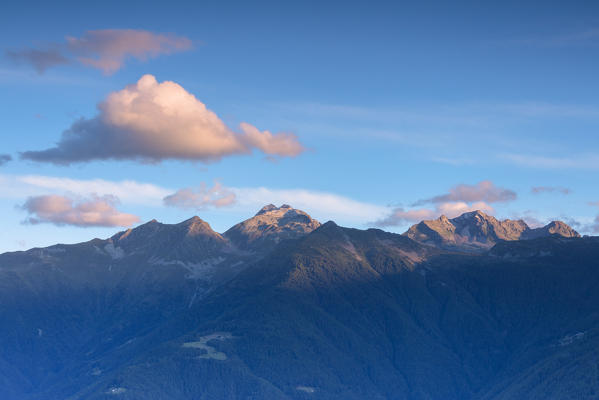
[{"x": 336, "y": 313}]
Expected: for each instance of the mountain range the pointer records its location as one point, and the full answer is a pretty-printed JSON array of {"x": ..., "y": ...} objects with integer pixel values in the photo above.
[{"x": 281, "y": 306}]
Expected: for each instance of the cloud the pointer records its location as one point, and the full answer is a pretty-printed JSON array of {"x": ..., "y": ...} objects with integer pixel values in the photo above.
[
  {"x": 592, "y": 227},
  {"x": 4, "y": 158},
  {"x": 400, "y": 216},
  {"x": 150, "y": 121},
  {"x": 484, "y": 191},
  {"x": 61, "y": 210},
  {"x": 321, "y": 205},
  {"x": 106, "y": 49},
  {"x": 40, "y": 60},
  {"x": 459, "y": 199},
  {"x": 128, "y": 191},
  {"x": 201, "y": 197},
  {"x": 550, "y": 189},
  {"x": 582, "y": 161}
]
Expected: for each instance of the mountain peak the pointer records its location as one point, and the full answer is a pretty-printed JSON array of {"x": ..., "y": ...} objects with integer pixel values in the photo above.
[
  {"x": 271, "y": 225},
  {"x": 196, "y": 225},
  {"x": 476, "y": 231}
]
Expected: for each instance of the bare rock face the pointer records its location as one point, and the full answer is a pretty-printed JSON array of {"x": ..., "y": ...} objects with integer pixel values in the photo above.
[
  {"x": 476, "y": 231},
  {"x": 554, "y": 228},
  {"x": 269, "y": 226}
]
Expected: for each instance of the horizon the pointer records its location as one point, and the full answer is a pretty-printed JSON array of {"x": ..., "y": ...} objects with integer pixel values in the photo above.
[
  {"x": 322, "y": 222},
  {"x": 374, "y": 116}
]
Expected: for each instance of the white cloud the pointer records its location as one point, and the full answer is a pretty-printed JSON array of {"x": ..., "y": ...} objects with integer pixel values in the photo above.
[
  {"x": 321, "y": 205},
  {"x": 150, "y": 121},
  {"x": 128, "y": 191}
]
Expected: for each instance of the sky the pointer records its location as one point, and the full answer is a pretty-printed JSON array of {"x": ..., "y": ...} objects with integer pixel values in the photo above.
[{"x": 371, "y": 114}]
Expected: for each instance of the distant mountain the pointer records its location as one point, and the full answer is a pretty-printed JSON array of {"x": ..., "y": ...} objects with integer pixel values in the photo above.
[
  {"x": 477, "y": 231},
  {"x": 281, "y": 307},
  {"x": 269, "y": 226}
]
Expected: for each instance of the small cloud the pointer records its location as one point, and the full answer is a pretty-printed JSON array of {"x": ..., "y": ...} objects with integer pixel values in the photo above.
[
  {"x": 594, "y": 203},
  {"x": 550, "y": 189},
  {"x": 4, "y": 158},
  {"x": 39, "y": 59},
  {"x": 582, "y": 161},
  {"x": 150, "y": 122},
  {"x": 484, "y": 191},
  {"x": 106, "y": 49},
  {"x": 201, "y": 197},
  {"x": 593, "y": 227},
  {"x": 62, "y": 210}
]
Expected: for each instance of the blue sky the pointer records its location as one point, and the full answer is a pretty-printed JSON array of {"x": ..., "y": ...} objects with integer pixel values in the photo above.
[{"x": 391, "y": 104}]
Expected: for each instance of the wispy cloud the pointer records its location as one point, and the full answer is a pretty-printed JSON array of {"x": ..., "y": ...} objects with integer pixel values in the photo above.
[
  {"x": 4, "y": 158},
  {"x": 485, "y": 191},
  {"x": 106, "y": 49},
  {"x": 151, "y": 121},
  {"x": 583, "y": 161},
  {"x": 62, "y": 210},
  {"x": 131, "y": 192},
  {"x": 321, "y": 205},
  {"x": 201, "y": 197},
  {"x": 550, "y": 189}
]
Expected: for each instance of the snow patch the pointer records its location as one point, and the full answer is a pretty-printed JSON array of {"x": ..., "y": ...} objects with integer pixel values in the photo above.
[
  {"x": 114, "y": 252},
  {"x": 211, "y": 352},
  {"x": 116, "y": 390},
  {"x": 203, "y": 270},
  {"x": 307, "y": 389},
  {"x": 569, "y": 339}
]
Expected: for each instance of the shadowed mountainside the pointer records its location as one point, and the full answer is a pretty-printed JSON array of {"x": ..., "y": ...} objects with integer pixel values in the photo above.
[{"x": 334, "y": 313}]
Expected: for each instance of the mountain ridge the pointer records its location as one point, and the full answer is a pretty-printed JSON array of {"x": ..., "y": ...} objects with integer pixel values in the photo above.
[{"x": 476, "y": 231}]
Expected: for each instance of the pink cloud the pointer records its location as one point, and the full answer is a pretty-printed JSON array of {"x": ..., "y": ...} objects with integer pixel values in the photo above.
[
  {"x": 108, "y": 49},
  {"x": 485, "y": 191},
  {"x": 61, "y": 210},
  {"x": 201, "y": 197},
  {"x": 400, "y": 216},
  {"x": 152, "y": 121},
  {"x": 105, "y": 49}
]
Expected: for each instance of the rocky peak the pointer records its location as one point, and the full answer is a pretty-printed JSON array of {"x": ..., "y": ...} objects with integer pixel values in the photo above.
[
  {"x": 271, "y": 225},
  {"x": 554, "y": 228},
  {"x": 197, "y": 226},
  {"x": 477, "y": 231}
]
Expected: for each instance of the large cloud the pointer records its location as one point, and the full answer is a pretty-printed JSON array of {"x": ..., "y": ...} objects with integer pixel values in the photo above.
[
  {"x": 153, "y": 121},
  {"x": 61, "y": 210},
  {"x": 105, "y": 49},
  {"x": 201, "y": 197}
]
